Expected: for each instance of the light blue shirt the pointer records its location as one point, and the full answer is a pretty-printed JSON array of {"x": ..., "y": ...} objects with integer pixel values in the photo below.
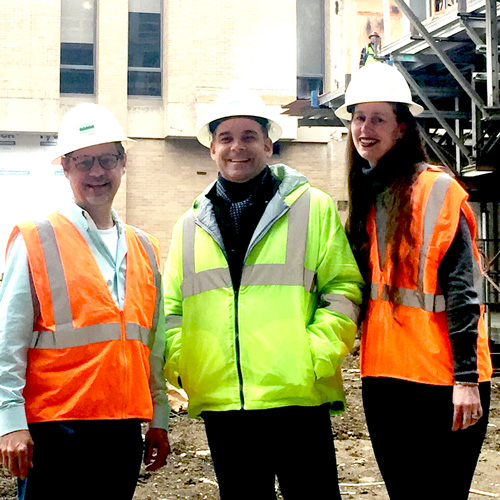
[{"x": 17, "y": 315}]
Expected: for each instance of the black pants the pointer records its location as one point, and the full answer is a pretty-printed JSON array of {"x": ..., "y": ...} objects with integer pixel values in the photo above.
[
  {"x": 82, "y": 460},
  {"x": 250, "y": 448},
  {"x": 418, "y": 454}
]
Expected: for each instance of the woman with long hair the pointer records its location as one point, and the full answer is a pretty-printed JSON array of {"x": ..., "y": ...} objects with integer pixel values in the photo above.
[{"x": 425, "y": 363}]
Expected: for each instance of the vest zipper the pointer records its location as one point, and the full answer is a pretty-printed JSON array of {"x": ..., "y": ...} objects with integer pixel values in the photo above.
[
  {"x": 123, "y": 339},
  {"x": 238, "y": 349}
]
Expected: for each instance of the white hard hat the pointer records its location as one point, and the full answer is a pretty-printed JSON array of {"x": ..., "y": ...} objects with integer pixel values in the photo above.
[
  {"x": 234, "y": 103},
  {"x": 377, "y": 82},
  {"x": 88, "y": 124}
]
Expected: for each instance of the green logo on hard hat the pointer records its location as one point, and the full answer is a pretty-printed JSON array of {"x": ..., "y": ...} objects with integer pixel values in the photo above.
[{"x": 87, "y": 129}]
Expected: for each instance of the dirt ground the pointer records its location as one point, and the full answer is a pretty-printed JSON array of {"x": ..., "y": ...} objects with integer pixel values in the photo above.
[{"x": 189, "y": 473}]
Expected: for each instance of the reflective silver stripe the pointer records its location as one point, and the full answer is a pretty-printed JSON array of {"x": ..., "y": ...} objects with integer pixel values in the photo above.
[
  {"x": 137, "y": 332},
  {"x": 194, "y": 283},
  {"x": 57, "y": 280},
  {"x": 410, "y": 298},
  {"x": 381, "y": 219},
  {"x": 341, "y": 304},
  {"x": 157, "y": 275},
  {"x": 77, "y": 337},
  {"x": 292, "y": 272},
  {"x": 66, "y": 335},
  {"x": 71, "y": 337},
  {"x": 173, "y": 321},
  {"x": 278, "y": 274},
  {"x": 434, "y": 205},
  {"x": 211, "y": 279},
  {"x": 478, "y": 281}
]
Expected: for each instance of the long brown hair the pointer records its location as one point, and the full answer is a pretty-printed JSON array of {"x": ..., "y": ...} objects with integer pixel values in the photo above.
[{"x": 393, "y": 178}]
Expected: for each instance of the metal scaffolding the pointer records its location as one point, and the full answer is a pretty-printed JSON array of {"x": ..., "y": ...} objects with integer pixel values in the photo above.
[{"x": 451, "y": 63}]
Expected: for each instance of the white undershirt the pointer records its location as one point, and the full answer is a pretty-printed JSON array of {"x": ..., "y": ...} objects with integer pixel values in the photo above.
[{"x": 110, "y": 239}]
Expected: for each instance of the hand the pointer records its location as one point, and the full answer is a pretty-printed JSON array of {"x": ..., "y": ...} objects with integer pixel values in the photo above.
[
  {"x": 467, "y": 406},
  {"x": 157, "y": 449},
  {"x": 16, "y": 452}
]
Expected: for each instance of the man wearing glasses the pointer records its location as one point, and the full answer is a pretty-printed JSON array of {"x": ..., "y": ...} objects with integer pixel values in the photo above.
[{"x": 82, "y": 333}]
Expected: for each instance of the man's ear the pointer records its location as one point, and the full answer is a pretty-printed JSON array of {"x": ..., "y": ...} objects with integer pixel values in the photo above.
[
  {"x": 65, "y": 169},
  {"x": 268, "y": 147}
]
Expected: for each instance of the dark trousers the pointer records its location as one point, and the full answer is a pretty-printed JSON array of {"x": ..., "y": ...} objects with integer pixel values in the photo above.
[
  {"x": 418, "y": 454},
  {"x": 80, "y": 460},
  {"x": 250, "y": 448}
]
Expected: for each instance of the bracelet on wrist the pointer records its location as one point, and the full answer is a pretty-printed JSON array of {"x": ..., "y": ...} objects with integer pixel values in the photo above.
[{"x": 467, "y": 384}]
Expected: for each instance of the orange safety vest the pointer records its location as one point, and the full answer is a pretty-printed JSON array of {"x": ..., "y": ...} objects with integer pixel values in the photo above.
[
  {"x": 88, "y": 359},
  {"x": 411, "y": 341}
]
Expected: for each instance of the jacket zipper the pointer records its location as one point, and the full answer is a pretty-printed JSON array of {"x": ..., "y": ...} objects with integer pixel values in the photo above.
[{"x": 238, "y": 350}]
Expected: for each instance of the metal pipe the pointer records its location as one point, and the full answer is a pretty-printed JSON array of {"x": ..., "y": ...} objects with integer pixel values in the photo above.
[
  {"x": 492, "y": 65},
  {"x": 434, "y": 111},
  {"x": 441, "y": 54}
]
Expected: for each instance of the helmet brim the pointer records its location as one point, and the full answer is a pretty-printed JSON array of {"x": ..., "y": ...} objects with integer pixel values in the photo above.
[
  {"x": 56, "y": 155},
  {"x": 205, "y": 137},
  {"x": 343, "y": 114}
]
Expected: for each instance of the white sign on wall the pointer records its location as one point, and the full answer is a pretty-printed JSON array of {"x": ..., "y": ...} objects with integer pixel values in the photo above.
[{"x": 31, "y": 187}]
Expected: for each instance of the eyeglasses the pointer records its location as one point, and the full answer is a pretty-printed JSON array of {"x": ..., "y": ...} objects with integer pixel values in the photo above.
[{"x": 85, "y": 162}]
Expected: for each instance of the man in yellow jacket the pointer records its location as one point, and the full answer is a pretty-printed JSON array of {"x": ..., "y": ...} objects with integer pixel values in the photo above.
[
  {"x": 261, "y": 301},
  {"x": 370, "y": 52},
  {"x": 82, "y": 333}
]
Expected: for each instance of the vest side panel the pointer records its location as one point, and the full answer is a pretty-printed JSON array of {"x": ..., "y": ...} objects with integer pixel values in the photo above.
[
  {"x": 140, "y": 298},
  {"x": 39, "y": 274},
  {"x": 443, "y": 235}
]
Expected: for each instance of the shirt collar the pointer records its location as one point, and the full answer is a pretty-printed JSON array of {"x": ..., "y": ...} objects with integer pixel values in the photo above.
[{"x": 80, "y": 217}]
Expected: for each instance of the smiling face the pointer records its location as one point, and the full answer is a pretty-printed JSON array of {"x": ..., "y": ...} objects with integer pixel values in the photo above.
[
  {"x": 240, "y": 148},
  {"x": 375, "y": 130},
  {"x": 94, "y": 190}
]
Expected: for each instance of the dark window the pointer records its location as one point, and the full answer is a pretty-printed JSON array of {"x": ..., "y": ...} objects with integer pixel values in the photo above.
[
  {"x": 144, "y": 52},
  {"x": 77, "y": 81},
  {"x": 144, "y": 83}
]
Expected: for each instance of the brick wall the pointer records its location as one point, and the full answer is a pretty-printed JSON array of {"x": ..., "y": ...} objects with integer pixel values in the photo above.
[
  {"x": 164, "y": 177},
  {"x": 29, "y": 39}
]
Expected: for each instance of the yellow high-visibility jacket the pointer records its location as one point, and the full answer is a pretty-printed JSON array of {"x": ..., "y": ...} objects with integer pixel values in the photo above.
[{"x": 280, "y": 339}]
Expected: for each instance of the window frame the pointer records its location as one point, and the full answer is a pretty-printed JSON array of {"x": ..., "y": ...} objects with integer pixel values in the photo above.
[
  {"x": 81, "y": 67},
  {"x": 138, "y": 70}
]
